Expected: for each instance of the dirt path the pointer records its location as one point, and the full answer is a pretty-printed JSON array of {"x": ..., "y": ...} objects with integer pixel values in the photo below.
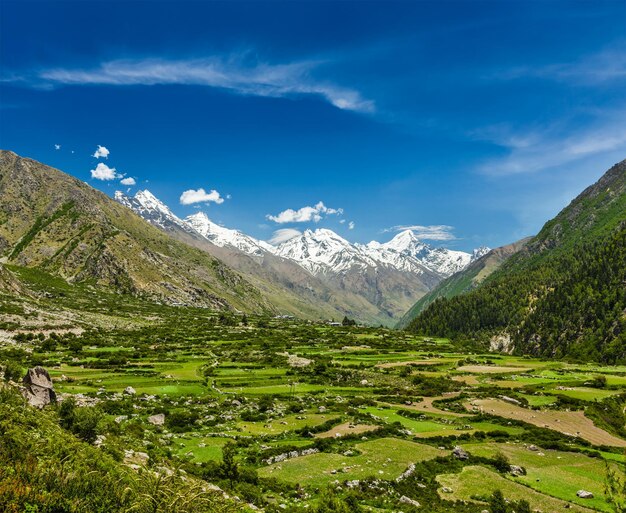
[
  {"x": 426, "y": 406},
  {"x": 346, "y": 428},
  {"x": 573, "y": 423}
]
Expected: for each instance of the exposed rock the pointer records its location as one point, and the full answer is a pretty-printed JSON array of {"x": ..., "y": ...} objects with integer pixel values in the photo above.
[
  {"x": 511, "y": 400},
  {"x": 460, "y": 453},
  {"x": 407, "y": 500},
  {"x": 584, "y": 494},
  {"x": 501, "y": 343},
  {"x": 517, "y": 471},
  {"x": 38, "y": 388},
  {"x": 157, "y": 420}
]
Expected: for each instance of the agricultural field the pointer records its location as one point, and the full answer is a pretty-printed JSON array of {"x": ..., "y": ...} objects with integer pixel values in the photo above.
[{"x": 279, "y": 412}]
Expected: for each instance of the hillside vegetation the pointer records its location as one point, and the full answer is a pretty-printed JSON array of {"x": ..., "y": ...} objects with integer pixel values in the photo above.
[
  {"x": 463, "y": 281},
  {"x": 564, "y": 294},
  {"x": 56, "y": 223}
]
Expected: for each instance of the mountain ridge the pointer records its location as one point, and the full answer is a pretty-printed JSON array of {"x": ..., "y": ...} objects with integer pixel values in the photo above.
[{"x": 562, "y": 294}]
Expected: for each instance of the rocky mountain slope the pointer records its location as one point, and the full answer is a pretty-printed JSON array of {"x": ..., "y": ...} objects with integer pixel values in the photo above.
[
  {"x": 56, "y": 223},
  {"x": 465, "y": 280},
  {"x": 564, "y": 293}
]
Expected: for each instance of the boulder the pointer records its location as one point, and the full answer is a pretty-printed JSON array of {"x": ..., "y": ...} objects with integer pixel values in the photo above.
[
  {"x": 584, "y": 494},
  {"x": 446, "y": 489},
  {"x": 460, "y": 453},
  {"x": 157, "y": 420},
  {"x": 38, "y": 389},
  {"x": 407, "y": 500},
  {"x": 517, "y": 471},
  {"x": 533, "y": 448},
  {"x": 129, "y": 391}
]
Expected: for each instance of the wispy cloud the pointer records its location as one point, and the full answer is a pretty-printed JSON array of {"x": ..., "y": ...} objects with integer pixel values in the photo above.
[
  {"x": 440, "y": 232},
  {"x": 538, "y": 149},
  {"x": 304, "y": 214},
  {"x": 608, "y": 65},
  {"x": 234, "y": 74},
  {"x": 283, "y": 235}
]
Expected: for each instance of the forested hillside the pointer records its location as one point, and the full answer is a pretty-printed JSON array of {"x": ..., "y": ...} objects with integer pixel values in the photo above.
[
  {"x": 464, "y": 281},
  {"x": 563, "y": 295}
]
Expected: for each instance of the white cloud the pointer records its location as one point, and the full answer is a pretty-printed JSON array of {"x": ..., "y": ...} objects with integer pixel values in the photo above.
[
  {"x": 432, "y": 232},
  {"x": 104, "y": 172},
  {"x": 128, "y": 181},
  {"x": 304, "y": 214},
  {"x": 101, "y": 151},
  {"x": 283, "y": 235},
  {"x": 200, "y": 196},
  {"x": 57, "y": 146},
  {"x": 351, "y": 225},
  {"x": 234, "y": 73}
]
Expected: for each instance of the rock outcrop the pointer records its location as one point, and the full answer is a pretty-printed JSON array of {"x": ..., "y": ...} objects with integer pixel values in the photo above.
[{"x": 38, "y": 388}]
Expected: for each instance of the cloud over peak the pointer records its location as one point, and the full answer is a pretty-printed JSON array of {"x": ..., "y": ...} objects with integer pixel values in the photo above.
[
  {"x": 304, "y": 214},
  {"x": 283, "y": 235},
  {"x": 192, "y": 196}
]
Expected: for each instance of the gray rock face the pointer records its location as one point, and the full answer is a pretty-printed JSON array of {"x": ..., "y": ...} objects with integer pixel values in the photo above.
[
  {"x": 38, "y": 388},
  {"x": 460, "y": 453}
]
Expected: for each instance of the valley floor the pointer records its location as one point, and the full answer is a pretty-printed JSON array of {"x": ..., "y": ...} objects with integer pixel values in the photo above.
[{"x": 284, "y": 415}]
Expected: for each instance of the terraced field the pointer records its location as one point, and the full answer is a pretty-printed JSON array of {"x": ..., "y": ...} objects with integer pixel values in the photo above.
[{"x": 365, "y": 414}]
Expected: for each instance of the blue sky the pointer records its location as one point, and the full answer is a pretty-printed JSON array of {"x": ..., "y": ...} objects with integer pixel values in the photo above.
[{"x": 473, "y": 121}]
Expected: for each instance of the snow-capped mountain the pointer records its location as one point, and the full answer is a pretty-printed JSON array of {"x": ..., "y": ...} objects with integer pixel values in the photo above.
[
  {"x": 319, "y": 251},
  {"x": 152, "y": 210},
  {"x": 323, "y": 251},
  {"x": 156, "y": 212},
  {"x": 221, "y": 236}
]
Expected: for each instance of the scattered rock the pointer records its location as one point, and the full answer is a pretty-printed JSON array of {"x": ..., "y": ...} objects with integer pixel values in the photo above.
[
  {"x": 38, "y": 388},
  {"x": 157, "y": 420},
  {"x": 460, "y": 453},
  {"x": 407, "y": 500},
  {"x": 517, "y": 471},
  {"x": 584, "y": 494}
]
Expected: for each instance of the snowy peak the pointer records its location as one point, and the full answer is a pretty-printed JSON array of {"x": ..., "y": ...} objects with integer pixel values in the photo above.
[
  {"x": 480, "y": 252},
  {"x": 146, "y": 205},
  {"x": 221, "y": 236}
]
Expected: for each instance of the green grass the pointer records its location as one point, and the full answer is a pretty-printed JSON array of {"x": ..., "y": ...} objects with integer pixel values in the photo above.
[
  {"x": 384, "y": 458},
  {"x": 556, "y": 473},
  {"x": 476, "y": 480}
]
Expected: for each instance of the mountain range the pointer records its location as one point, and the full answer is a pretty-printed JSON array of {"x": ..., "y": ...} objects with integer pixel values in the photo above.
[{"x": 374, "y": 283}]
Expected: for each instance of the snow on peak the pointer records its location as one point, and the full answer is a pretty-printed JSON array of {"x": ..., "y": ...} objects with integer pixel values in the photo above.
[{"x": 221, "y": 236}]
